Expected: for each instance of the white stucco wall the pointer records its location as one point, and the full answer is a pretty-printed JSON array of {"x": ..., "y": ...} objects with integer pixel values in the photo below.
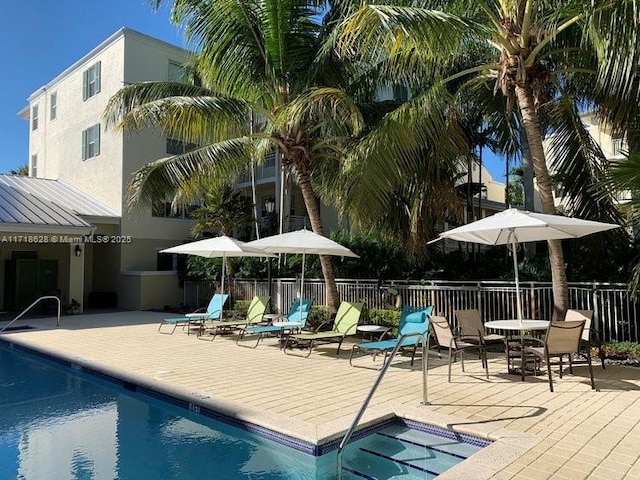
[
  {"x": 126, "y": 57},
  {"x": 58, "y": 143}
]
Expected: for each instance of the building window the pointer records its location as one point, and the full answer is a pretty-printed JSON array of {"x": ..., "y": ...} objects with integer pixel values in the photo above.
[
  {"x": 616, "y": 146},
  {"x": 53, "y": 105},
  {"x": 400, "y": 93},
  {"x": 91, "y": 81},
  {"x": 91, "y": 142},
  {"x": 34, "y": 117},
  {"x": 177, "y": 73},
  {"x": 34, "y": 165},
  {"x": 178, "y": 147},
  {"x": 164, "y": 210},
  {"x": 560, "y": 191}
]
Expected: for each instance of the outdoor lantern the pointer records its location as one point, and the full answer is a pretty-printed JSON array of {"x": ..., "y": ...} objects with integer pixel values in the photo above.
[
  {"x": 270, "y": 205},
  {"x": 78, "y": 250}
]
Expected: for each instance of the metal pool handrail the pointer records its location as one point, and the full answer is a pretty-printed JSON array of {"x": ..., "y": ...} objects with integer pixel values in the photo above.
[
  {"x": 376, "y": 384},
  {"x": 46, "y": 297}
]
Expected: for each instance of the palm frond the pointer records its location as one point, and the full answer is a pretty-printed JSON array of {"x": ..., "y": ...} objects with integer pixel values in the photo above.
[
  {"x": 579, "y": 162},
  {"x": 330, "y": 109},
  {"x": 161, "y": 178},
  {"x": 192, "y": 116},
  {"x": 414, "y": 144},
  {"x": 414, "y": 37}
]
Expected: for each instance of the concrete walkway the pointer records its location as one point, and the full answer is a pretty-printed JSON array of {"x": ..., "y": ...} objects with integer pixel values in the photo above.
[{"x": 573, "y": 433}]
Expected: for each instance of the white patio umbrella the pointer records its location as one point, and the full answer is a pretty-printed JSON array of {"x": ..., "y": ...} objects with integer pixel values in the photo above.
[
  {"x": 304, "y": 242},
  {"x": 513, "y": 226},
  {"x": 218, "y": 247}
]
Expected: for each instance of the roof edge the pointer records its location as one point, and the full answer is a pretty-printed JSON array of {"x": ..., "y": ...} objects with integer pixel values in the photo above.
[{"x": 96, "y": 50}]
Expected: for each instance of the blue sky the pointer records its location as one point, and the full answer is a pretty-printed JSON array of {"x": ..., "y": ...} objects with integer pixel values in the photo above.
[{"x": 43, "y": 37}]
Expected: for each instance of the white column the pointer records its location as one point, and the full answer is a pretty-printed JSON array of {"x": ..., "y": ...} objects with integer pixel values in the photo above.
[{"x": 76, "y": 273}]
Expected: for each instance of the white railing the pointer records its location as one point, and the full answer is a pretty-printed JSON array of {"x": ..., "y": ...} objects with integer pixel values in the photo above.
[
  {"x": 46, "y": 297},
  {"x": 616, "y": 313}
]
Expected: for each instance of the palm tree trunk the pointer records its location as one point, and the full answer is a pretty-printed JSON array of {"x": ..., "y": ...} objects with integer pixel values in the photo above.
[
  {"x": 531, "y": 125},
  {"x": 527, "y": 186},
  {"x": 313, "y": 210}
]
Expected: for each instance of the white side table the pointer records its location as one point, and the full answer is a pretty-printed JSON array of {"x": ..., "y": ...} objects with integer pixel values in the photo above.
[
  {"x": 272, "y": 317},
  {"x": 373, "y": 330}
]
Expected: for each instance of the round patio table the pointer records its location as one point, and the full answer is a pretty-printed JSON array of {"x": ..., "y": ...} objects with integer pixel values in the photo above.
[
  {"x": 521, "y": 326},
  {"x": 518, "y": 324}
]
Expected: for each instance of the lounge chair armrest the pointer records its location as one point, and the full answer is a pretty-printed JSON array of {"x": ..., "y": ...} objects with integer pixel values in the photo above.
[{"x": 326, "y": 322}]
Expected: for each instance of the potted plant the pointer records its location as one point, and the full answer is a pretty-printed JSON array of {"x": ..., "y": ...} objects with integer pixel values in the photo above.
[{"x": 72, "y": 308}]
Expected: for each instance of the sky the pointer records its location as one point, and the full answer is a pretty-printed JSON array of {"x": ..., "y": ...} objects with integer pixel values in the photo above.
[{"x": 41, "y": 38}]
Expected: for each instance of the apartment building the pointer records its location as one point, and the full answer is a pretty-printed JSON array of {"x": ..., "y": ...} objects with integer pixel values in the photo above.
[
  {"x": 91, "y": 248},
  {"x": 69, "y": 143},
  {"x": 613, "y": 147}
]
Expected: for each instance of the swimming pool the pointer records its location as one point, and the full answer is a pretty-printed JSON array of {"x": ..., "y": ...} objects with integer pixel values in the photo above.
[{"x": 64, "y": 424}]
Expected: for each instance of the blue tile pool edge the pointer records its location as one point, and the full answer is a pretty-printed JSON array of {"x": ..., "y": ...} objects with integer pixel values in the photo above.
[{"x": 193, "y": 407}]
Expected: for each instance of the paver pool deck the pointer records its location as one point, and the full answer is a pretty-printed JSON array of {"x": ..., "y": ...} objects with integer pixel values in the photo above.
[{"x": 572, "y": 433}]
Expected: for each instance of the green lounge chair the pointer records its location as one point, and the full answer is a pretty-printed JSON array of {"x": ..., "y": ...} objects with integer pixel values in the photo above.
[
  {"x": 295, "y": 320},
  {"x": 213, "y": 312},
  {"x": 412, "y": 320},
  {"x": 345, "y": 324},
  {"x": 254, "y": 315}
]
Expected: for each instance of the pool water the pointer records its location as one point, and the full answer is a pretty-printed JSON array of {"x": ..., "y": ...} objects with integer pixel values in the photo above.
[{"x": 59, "y": 424}]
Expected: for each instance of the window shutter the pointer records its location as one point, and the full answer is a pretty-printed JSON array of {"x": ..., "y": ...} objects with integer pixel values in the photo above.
[
  {"x": 98, "y": 76},
  {"x": 85, "y": 84},
  {"x": 97, "y": 127},
  {"x": 84, "y": 144}
]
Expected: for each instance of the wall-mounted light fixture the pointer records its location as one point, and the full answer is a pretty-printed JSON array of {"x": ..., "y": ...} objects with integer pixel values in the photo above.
[
  {"x": 270, "y": 205},
  {"x": 77, "y": 250}
]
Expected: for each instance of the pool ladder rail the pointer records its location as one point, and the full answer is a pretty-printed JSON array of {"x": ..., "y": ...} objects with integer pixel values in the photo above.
[
  {"x": 45, "y": 297},
  {"x": 376, "y": 384}
]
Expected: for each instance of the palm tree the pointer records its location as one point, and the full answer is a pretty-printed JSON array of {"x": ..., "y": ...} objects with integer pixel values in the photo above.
[
  {"x": 261, "y": 60},
  {"x": 625, "y": 176},
  {"x": 550, "y": 58},
  {"x": 23, "y": 171}
]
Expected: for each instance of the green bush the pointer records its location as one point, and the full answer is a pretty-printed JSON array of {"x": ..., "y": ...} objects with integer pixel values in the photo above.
[
  {"x": 317, "y": 315},
  {"x": 376, "y": 316},
  {"x": 621, "y": 350},
  {"x": 242, "y": 306}
]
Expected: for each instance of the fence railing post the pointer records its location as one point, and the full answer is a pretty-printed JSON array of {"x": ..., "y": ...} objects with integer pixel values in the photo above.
[{"x": 596, "y": 313}]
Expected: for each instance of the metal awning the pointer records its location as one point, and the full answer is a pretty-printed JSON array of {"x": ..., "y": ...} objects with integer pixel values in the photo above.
[{"x": 39, "y": 206}]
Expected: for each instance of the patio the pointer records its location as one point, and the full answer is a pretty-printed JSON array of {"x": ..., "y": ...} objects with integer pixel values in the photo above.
[{"x": 572, "y": 433}]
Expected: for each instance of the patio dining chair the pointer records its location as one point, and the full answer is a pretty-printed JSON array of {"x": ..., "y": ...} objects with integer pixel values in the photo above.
[
  {"x": 562, "y": 338},
  {"x": 471, "y": 328},
  {"x": 444, "y": 338},
  {"x": 590, "y": 336}
]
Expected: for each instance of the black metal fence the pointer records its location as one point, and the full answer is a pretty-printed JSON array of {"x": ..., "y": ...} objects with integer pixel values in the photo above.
[{"x": 616, "y": 314}]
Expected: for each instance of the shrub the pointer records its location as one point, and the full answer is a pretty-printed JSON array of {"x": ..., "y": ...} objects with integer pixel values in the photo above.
[
  {"x": 621, "y": 350},
  {"x": 317, "y": 315},
  {"x": 242, "y": 306}
]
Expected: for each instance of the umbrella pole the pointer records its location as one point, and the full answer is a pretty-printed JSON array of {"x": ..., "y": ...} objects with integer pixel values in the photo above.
[
  {"x": 301, "y": 283},
  {"x": 514, "y": 253},
  {"x": 224, "y": 262}
]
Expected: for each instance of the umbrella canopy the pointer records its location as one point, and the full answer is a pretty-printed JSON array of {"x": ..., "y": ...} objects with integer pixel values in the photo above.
[
  {"x": 304, "y": 242},
  {"x": 500, "y": 228},
  {"x": 513, "y": 226},
  {"x": 218, "y": 247}
]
